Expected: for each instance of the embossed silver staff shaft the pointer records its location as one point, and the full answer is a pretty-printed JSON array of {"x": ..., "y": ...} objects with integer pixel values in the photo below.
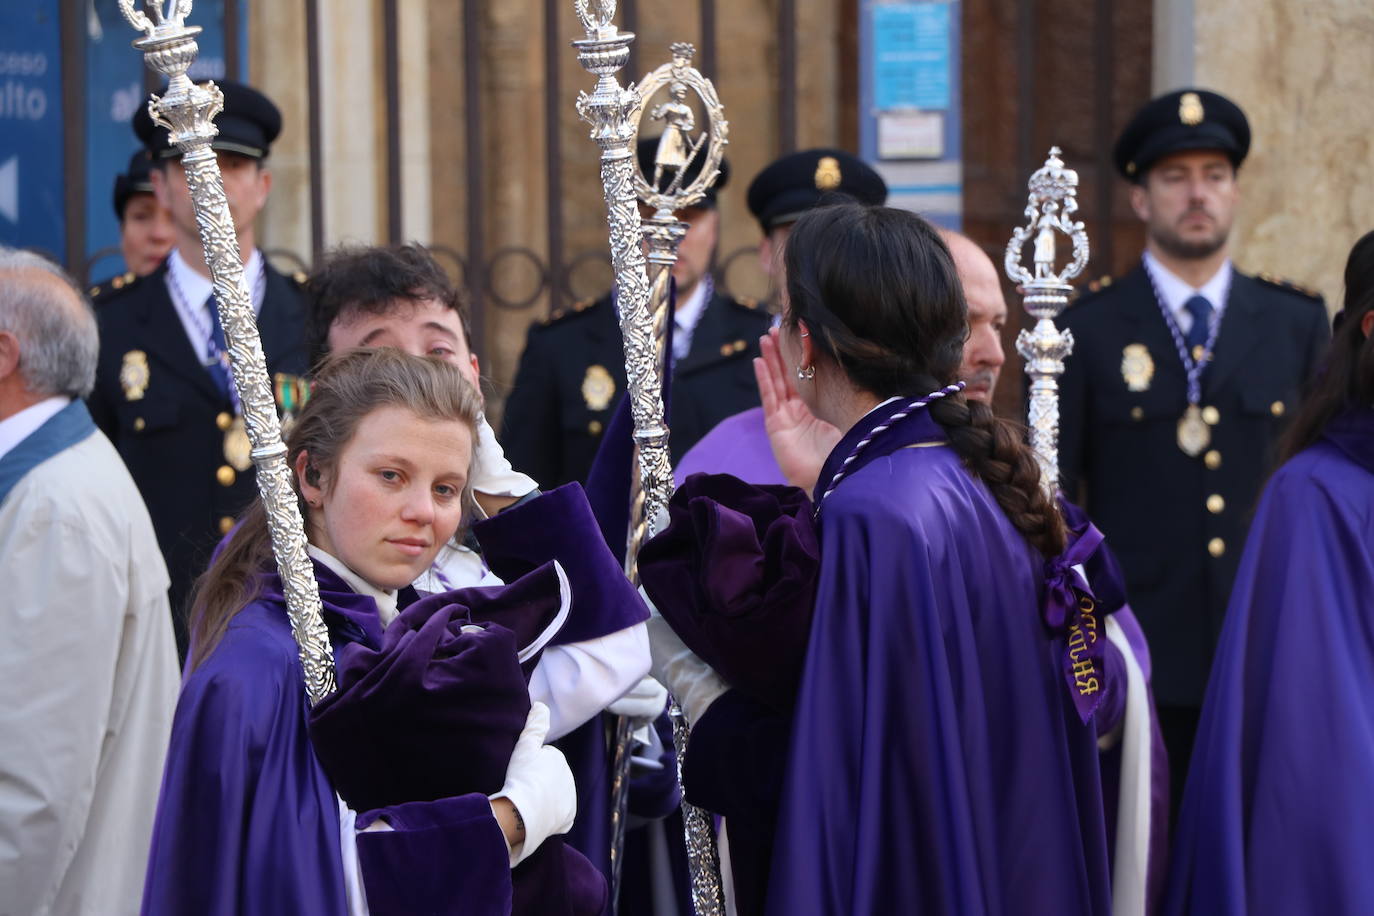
[
  {"x": 663, "y": 235},
  {"x": 663, "y": 232},
  {"x": 610, "y": 110},
  {"x": 187, "y": 111},
  {"x": 1050, "y": 206}
]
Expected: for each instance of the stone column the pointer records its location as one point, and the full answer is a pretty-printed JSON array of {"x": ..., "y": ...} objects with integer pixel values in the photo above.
[
  {"x": 277, "y": 66},
  {"x": 353, "y": 126}
]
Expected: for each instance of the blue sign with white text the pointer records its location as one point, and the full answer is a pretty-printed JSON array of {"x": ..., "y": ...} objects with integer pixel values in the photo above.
[
  {"x": 31, "y": 155},
  {"x": 115, "y": 89},
  {"x": 911, "y": 55}
]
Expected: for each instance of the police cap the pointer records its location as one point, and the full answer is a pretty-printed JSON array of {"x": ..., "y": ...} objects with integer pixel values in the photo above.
[
  {"x": 247, "y": 125},
  {"x": 134, "y": 181},
  {"x": 789, "y": 187},
  {"x": 647, "y": 150},
  {"x": 1181, "y": 121}
]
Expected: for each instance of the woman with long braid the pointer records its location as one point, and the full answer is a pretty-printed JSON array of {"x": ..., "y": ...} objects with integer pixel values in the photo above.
[
  {"x": 1277, "y": 811},
  {"x": 942, "y": 749}
]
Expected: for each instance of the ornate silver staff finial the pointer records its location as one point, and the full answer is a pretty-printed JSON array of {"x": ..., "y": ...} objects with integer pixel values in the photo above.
[
  {"x": 667, "y": 191},
  {"x": 679, "y": 146},
  {"x": 187, "y": 111},
  {"x": 1049, "y": 210},
  {"x": 613, "y": 113}
]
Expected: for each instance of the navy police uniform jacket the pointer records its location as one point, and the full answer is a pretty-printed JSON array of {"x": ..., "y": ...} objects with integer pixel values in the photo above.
[
  {"x": 572, "y": 373},
  {"x": 1178, "y": 523},
  {"x": 168, "y": 421}
]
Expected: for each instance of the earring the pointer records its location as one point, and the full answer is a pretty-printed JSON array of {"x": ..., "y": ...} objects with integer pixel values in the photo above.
[{"x": 806, "y": 374}]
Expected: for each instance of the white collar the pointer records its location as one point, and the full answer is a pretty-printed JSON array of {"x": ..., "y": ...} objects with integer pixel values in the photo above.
[
  {"x": 386, "y": 600},
  {"x": 197, "y": 287},
  {"x": 16, "y": 428},
  {"x": 688, "y": 315},
  {"x": 1175, "y": 291}
]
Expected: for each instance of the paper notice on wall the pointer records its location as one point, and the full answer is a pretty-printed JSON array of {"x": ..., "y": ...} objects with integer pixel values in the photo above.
[{"x": 911, "y": 135}]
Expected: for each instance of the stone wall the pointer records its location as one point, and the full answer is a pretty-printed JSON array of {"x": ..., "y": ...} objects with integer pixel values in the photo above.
[{"x": 1302, "y": 72}]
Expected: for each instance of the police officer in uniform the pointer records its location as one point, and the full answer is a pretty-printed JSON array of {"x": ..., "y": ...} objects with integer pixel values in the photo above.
[
  {"x": 572, "y": 372},
  {"x": 797, "y": 182},
  {"x": 163, "y": 392},
  {"x": 1182, "y": 375},
  {"x": 145, "y": 226}
]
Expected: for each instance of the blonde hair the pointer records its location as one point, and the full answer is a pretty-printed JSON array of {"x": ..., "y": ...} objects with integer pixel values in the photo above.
[{"x": 348, "y": 387}]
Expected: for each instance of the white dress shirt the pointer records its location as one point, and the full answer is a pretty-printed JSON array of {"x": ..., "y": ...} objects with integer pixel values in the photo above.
[
  {"x": 18, "y": 427},
  {"x": 190, "y": 292},
  {"x": 1175, "y": 291},
  {"x": 386, "y": 601},
  {"x": 686, "y": 318}
]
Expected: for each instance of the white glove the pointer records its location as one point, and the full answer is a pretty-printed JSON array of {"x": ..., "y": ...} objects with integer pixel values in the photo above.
[
  {"x": 694, "y": 683},
  {"x": 492, "y": 474},
  {"x": 539, "y": 784},
  {"x": 642, "y": 703}
]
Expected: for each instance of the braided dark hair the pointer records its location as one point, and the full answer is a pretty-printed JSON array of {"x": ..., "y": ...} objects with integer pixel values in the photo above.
[
  {"x": 878, "y": 290},
  {"x": 1347, "y": 375}
]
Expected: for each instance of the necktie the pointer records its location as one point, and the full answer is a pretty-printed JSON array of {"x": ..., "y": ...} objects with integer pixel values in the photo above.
[
  {"x": 218, "y": 349},
  {"x": 1201, "y": 310}
]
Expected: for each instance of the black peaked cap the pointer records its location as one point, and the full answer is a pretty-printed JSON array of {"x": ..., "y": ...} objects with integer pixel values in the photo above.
[
  {"x": 247, "y": 125},
  {"x": 134, "y": 181},
  {"x": 1181, "y": 121},
  {"x": 789, "y": 187}
]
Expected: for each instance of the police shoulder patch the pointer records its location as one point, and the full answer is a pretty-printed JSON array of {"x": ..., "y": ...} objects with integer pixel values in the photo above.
[
  {"x": 1288, "y": 286},
  {"x": 576, "y": 308}
]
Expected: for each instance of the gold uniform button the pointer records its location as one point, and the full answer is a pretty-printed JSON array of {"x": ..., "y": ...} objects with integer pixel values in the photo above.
[
  {"x": 594, "y": 427},
  {"x": 139, "y": 424},
  {"x": 1276, "y": 408},
  {"x": 1216, "y": 547},
  {"x": 225, "y": 475},
  {"x": 224, "y": 420},
  {"x": 1215, "y": 504},
  {"x": 1210, "y": 415},
  {"x": 226, "y": 524},
  {"x": 1212, "y": 459},
  {"x": 1137, "y": 413}
]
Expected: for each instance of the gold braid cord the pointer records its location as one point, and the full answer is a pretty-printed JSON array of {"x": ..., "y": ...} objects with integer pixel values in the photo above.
[{"x": 187, "y": 111}]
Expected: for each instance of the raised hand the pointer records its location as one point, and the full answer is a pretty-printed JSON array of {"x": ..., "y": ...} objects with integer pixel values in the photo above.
[{"x": 800, "y": 441}]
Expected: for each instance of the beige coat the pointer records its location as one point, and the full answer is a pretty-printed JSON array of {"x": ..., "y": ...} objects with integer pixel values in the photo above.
[{"x": 88, "y": 682}]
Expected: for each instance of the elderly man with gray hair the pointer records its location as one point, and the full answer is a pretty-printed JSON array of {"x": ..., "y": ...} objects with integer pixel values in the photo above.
[{"x": 88, "y": 677}]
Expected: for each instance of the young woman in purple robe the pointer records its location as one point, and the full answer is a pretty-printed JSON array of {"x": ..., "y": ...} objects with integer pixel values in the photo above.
[
  {"x": 926, "y": 686},
  {"x": 385, "y": 797},
  {"x": 1277, "y": 813}
]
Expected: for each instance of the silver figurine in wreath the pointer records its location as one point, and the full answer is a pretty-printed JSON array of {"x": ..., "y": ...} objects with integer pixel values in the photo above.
[
  {"x": 1052, "y": 202},
  {"x": 614, "y": 113},
  {"x": 667, "y": 192},
  {"x": 187, "y": 111}
]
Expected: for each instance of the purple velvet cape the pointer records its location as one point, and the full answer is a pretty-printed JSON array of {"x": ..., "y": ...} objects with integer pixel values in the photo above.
[
  {"x": 247, "y": 820},
  {"x": 937, "y": 764},
  {"x": 1278, "y": 812}
]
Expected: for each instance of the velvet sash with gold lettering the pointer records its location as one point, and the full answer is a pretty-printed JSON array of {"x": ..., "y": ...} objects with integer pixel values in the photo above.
[{"x": 1071, "y": 609}]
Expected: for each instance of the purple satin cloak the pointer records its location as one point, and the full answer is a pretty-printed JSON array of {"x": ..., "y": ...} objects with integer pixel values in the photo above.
[
  {"x": 1277, "y": 814},
  {"x": 937, "y": 764},
  {"x": 737, "y": 445},
  {"x": 247, "y": 820}
]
